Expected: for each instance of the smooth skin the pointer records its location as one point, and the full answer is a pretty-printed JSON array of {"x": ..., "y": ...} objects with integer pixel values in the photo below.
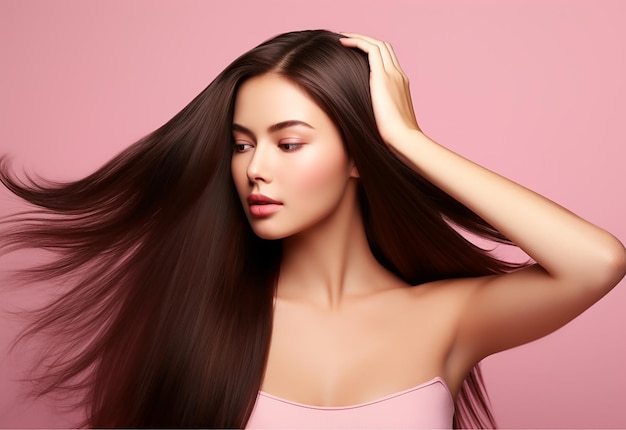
[{"x": 346, "y": 331}]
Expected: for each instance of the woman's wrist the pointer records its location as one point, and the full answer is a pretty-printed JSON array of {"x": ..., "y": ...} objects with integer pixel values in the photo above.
[{"x": 409, "y": 144}]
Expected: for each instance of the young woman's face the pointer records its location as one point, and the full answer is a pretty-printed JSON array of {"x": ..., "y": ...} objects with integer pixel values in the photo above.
[{"x": 289, "y": 164}]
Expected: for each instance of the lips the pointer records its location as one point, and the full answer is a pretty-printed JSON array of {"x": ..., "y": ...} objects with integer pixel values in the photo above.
[
  {"x": 261, "y": 205},
  {"x": 260, "y": 199}
]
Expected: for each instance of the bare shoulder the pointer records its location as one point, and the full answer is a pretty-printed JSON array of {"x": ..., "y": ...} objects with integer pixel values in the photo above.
[
  {"x": 494, "y": 313},
  {"x": 433, "y": 304},
  {"x": 445, "y": 297}
]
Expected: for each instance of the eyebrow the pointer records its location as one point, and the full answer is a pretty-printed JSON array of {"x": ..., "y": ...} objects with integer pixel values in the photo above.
[{"x": 272, "y": 128}]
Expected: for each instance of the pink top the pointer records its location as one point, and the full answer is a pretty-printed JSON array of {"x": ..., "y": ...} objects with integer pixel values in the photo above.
[{"x": 429, "y": 405}]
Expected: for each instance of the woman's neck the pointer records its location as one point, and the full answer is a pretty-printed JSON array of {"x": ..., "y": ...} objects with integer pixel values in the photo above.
[{"x": 332, "y": 261}]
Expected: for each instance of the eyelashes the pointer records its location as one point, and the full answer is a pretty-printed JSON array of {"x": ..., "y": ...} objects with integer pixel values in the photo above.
[
  {"x": 240, "y": 147},
  {"x": 290, "y": 147}
]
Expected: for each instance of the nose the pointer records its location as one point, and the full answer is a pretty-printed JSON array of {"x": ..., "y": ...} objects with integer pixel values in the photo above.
[{"x": 260, "y": 165}]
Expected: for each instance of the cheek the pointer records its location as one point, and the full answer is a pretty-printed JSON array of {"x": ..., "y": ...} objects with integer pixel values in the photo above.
[{"x": 320, "y": 173}]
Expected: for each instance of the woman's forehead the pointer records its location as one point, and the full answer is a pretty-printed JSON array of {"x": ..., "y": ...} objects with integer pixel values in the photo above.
[{"x": 272, "y": 99}]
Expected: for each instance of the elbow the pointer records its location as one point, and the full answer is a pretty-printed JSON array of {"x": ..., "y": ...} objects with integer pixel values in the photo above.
[
  {"x": 619, "y": 261},
  {"x": 612, "y": 265},
  {"x": 600, "y": 269}
]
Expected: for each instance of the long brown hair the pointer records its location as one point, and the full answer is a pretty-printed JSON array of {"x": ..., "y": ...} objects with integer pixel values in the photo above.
[{"x": 171, "y": 297}]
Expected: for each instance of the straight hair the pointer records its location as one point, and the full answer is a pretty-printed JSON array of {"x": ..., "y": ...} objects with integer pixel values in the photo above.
[{"x": 170, "y": 293}]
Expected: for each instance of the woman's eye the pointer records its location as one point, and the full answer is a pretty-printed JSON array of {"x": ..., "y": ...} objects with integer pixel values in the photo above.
[
  {"x": 290, "y": 147},
  {"x": 242, "y": 147}
]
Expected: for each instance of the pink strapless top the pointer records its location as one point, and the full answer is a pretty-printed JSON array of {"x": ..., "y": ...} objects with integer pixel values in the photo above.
[{"x": 429, "y": 405}]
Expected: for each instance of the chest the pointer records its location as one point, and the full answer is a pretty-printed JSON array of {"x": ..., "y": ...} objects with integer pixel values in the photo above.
[
  {"x": 428, "y": 405},
  {"x": 365, "y": 351}
]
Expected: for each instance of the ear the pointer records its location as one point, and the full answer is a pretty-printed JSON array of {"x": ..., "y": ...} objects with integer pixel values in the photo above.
[{"x": 354, "y": 173}]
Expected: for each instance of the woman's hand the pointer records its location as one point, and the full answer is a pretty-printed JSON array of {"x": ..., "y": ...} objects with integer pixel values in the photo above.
[{"x": 391, "y": 96}]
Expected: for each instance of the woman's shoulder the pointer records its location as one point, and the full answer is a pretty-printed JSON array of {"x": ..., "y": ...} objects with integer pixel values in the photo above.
[
  {"x": 447, "y": 292},
  {"x": 432, "y": 306},
  {"x": 438, "y": 305}
]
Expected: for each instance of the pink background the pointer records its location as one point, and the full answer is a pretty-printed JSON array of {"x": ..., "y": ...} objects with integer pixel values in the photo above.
[{"x": 535, "y": 90}]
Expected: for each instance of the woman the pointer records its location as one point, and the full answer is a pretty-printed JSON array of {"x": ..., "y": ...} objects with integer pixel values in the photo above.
[{"x": 280, "y": 253}]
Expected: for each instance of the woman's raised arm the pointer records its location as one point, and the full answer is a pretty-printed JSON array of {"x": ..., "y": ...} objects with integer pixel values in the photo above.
[{"x": 577, "y": 262}]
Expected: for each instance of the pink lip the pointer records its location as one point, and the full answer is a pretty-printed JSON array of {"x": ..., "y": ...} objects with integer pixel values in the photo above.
[
  {"x": 261, "y": 199},
  {"x": 261, "y": 205}
]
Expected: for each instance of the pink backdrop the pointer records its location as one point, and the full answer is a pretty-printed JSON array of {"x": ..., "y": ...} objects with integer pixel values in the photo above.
[{"x": 532, "y": 89}]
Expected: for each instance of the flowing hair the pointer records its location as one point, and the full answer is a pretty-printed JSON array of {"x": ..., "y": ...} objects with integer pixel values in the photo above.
[{"x": 170, "y": 293}]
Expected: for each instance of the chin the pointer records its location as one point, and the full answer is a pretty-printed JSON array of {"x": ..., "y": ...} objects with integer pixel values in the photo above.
[
  {"x": 268, "y": 236},
  {"x": 268, "y": 233}
]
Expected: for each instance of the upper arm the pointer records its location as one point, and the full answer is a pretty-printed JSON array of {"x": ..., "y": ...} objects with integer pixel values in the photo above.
[{"x": 504, "y": 311}]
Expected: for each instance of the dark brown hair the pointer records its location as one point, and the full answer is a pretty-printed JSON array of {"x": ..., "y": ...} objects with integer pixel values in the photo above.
[{"x": 171, "y": 297}]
